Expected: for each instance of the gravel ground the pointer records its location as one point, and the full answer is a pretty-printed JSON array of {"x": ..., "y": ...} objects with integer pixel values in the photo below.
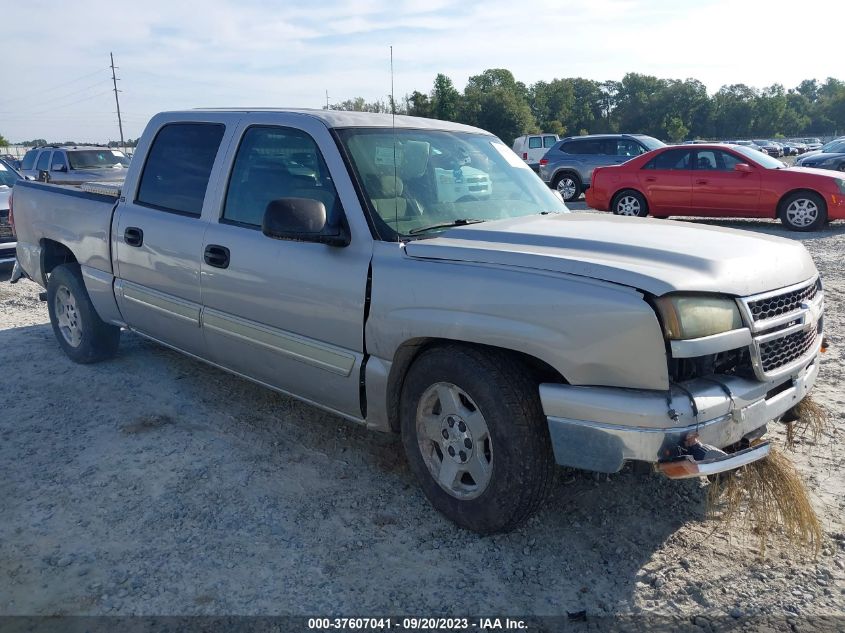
[{"x": 153, "y": 484}]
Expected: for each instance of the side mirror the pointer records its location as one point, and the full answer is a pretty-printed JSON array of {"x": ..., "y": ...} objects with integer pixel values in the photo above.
[
  {"x": 58, "y": 168},
  {"x": 301, "y": 220},
  {"x": 43, "y": 175},
  {"x": 743, "y": 168}
]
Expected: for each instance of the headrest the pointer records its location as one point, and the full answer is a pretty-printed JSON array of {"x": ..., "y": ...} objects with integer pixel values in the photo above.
[
  {"x": 415, "y": 158},
  {"x": 391, "y": 186}
]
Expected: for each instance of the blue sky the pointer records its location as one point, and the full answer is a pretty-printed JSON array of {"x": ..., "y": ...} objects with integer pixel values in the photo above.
[{"x": 175, "y": 55}]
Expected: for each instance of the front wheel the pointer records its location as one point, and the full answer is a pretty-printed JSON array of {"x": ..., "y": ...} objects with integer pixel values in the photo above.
[
  {"x": 476, "y": 437},
  {"x": 803, "y": 211},
  {"x": 80, "y": 331},
  {"x": 629, "y": 202}
]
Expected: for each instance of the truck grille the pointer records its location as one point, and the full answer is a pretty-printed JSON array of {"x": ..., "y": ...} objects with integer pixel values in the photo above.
[
  {"x": 786, "y": 326},
  {"x": 783, "y": 351},
  {"x": 783, "y": 304}
]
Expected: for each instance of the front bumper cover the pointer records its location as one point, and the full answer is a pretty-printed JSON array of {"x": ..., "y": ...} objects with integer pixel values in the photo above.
[{"x": 600, "y": 428}]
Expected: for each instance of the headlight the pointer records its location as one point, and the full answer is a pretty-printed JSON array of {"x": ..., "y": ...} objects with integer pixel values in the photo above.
[
  {"x": 693, "y": 316},
  {"x": 841, "y": 185}
]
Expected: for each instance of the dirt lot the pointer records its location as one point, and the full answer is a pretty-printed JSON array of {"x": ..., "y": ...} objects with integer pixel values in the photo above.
[{"x": 154, "y": 484}]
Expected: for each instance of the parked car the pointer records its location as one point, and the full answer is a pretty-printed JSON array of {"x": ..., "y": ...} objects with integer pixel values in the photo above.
[
  {"x": 832, "y": 156},
  {"x": 9, "y": 177},
  {"x": 770, "y": 147},
  {"x": 363, "y": 293},
  {"x": 568, "y": 165},
  {"x": 812, "y": 144},
  {"x": 797, "y": 145},
  {"x": 750, "y": 144},
  {"x": 68, "y": 165},
  {"x": 532, "y": 147},
  {"x": 719, "y": 180}
]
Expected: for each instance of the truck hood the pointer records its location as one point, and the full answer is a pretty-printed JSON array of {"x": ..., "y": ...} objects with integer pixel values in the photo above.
[{"x": 657, "y": 256}]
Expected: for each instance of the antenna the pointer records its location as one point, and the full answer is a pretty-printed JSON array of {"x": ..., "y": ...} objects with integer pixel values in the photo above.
[
  {"x": 395, "y": 168},
  {"x": 117, "y": 101}
]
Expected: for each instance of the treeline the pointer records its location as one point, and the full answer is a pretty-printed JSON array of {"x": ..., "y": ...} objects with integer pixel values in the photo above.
[{"x": 669, "y": 109}]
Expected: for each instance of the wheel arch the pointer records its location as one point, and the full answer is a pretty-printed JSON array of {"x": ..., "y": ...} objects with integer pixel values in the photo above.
[
  {"x": 782, "y": 199},
  {"x": 622, "y": 190},
  {"x": 411, "y": 349},
  {"x": 54, "y": 254}
]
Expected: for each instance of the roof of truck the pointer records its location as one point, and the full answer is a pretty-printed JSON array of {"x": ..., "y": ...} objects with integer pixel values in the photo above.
[{"x": 347, "y": 118}]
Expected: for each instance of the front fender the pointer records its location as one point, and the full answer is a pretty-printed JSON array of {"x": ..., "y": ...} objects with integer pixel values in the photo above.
[{"x": 592, "y": 332}]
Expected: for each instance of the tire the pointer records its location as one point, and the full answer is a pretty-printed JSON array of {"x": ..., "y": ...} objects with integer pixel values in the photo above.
[
  {"x": 803, "y": 211},
  {"x": 568, "y": 185},
  {"x": 629, "y": 202},
  {"x": 80, "y": 331},
  {"x": 495, "y": 417}
]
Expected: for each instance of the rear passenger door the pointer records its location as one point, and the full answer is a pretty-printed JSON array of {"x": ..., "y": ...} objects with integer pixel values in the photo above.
[
  {"x": 666, "y": 181},
  {"x": 288, "y": 314},
  {"x": 158, "y": 231}
]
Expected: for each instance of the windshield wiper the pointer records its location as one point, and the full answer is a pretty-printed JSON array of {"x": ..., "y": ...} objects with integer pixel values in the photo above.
[{"x": 445, "y": 225}]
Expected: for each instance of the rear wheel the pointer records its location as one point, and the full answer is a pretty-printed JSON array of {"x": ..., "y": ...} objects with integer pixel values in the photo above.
[
  {"x": 629, "y": 202},
  {"x": 80, "y": 331},
  {"x": 803, "y": 211},
  {"x": 568, "y": 185},
  {"x": 476, "y": 437}
]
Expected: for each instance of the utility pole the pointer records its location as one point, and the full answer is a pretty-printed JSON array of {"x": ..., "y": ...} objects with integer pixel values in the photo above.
[
  {"x": 327, "y": 99},
  {"x": 117, "y": 102}
]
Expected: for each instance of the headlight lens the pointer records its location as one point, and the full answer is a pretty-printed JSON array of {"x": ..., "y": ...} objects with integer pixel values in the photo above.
[
  {"x": 687, "y": 316},
  {"x": 841, "y": 185}
]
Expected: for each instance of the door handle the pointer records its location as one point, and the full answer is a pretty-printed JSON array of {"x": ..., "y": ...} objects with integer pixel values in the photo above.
[
  {"x": 133, "y": 236},
  {"x": 651, "y": 179},
  {"x": 701, "y": 182},
  {"x": 217, "y": 256}
]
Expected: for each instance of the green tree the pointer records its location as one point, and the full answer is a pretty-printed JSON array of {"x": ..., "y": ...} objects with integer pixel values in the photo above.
[
  {"x": 3, "y": 141},
  {"x": 445, "y": 99},
  {"x": 675, "y": 129}
]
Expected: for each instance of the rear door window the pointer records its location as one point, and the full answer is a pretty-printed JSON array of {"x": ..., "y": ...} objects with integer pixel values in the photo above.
[
  {"x": 535, "y": 142},
  {"x": 43, "y": 160},
  {"x": 673, "y": 159},
  {"x": 548, "y": 141},
  {"x": 178, "y": 167},
  {"x": 58, "y": 160}
]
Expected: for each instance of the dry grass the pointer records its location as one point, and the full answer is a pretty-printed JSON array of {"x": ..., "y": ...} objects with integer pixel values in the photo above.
[
  {"x": 813, "y": 422},
  {"x": 767, "y": 497}
]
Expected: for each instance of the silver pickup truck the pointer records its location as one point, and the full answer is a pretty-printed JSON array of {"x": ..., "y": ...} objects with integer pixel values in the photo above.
[{"x": 416, "y": 277}]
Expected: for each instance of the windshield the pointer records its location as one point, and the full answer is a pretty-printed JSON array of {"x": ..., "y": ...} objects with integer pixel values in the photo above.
[
  {"x": 759, "y": 157},
  {"x": 834, "y": 147},
  {"x": 650, "y": 142},
  {"x": 419, "y": 182},
  {"x": 96, "y": 158},
  {"x": 7, "y": 176}
]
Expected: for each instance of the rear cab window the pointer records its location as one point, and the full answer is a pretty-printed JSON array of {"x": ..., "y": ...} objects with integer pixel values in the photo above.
[{"x": 178, "y": 166}]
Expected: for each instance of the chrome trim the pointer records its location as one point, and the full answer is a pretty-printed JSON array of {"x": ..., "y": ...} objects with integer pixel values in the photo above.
[
  {"x": 713, "y": 344},
  {"x": 322, "y": 355},
  {"x": 313, "y": 403},
  {"x": 159, "y": 301},
  {"x": 723, "y": 464},
  {"x": 807, "y": 315}
]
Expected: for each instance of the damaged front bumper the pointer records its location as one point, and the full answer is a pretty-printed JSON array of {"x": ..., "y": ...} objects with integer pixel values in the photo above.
[{"x": 600, "y": 428}]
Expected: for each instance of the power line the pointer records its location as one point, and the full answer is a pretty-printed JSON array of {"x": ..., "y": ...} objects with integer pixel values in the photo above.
[
  {"x": 64, "y": 105},
  {"x": 51, "y": 88},
  {"x": 65, "y": 96}
]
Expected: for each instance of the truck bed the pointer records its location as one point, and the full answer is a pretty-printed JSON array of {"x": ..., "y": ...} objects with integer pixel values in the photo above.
[{"x": 80, "y": 220}]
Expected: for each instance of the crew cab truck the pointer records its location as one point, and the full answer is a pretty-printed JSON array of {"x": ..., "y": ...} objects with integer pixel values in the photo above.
[{"x": 311, "y": 252}]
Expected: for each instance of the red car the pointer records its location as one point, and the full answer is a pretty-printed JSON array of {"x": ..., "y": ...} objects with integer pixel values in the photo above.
[{"x": 719, "y": 180}]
